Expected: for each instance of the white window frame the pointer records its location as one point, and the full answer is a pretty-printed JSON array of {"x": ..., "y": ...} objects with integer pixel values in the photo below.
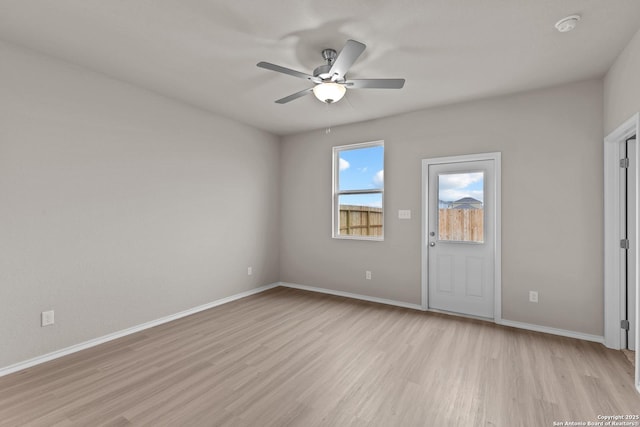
[{"x": 335, "y": 217}]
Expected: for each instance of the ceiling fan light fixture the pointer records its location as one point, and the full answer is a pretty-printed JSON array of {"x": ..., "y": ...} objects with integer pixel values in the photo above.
[{"x": 329, "y": 92}]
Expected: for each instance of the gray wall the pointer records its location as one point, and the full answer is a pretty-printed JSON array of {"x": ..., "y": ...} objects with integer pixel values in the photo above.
[
  {"x": 551, "y": 144},
  {"x": 119, "y": 206},
  {"x": 622, "y": 86}
]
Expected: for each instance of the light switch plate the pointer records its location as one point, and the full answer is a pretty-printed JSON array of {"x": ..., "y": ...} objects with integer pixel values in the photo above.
[{"x": 404, "y": 214}]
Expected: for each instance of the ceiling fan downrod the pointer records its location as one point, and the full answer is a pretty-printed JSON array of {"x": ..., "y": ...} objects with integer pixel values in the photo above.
[{"x": 322, "y": 71}]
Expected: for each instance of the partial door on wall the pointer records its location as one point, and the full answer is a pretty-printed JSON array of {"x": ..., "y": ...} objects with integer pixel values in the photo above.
[
  {"x": 461, "y": 228},
  {"x": 628, "y": 191},
  {"x": 621, "y": 239}
]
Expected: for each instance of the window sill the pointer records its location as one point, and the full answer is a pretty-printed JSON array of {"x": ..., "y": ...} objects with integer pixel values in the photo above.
[{"x": 367, "y": 238}]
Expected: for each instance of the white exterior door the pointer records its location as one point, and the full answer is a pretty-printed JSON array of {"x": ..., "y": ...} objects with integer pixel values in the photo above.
[{"x": 460, "y": 227}]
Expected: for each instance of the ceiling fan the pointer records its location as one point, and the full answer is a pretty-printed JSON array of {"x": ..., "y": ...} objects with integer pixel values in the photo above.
[{"x": 330, "y": 79}]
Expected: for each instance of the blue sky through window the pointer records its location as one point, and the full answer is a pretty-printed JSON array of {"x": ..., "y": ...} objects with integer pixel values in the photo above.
[
  {"x": 361, "y": 169},
  {"x": 455, "y": 186}
]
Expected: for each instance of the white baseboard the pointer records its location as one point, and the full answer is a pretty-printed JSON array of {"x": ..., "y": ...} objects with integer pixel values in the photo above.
[
  {"x": 552, "y": 331},
  {"x": 119, "y": 334},
  {"x": 354, "y": 296}
]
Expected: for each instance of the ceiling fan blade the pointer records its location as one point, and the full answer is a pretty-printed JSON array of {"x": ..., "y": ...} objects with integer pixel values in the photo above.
[
  {"x": 374, "y": 83},
  {"x": 294, "y": 96},
  {"x": 289, "y": 71},
  {"x": 347, "y": 56}
]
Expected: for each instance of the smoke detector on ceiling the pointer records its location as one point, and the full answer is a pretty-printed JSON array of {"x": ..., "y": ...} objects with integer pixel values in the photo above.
[{"x": 567, "y": 24}]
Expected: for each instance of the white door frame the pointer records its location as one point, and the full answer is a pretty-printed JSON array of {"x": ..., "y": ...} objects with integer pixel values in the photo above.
[
  {"x": 613, "y": 294},
  {"x": 497, "y": 256}
]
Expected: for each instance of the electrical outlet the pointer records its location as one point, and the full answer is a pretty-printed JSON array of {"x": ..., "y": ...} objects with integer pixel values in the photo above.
[
  {"x": 47, "y": 318},
  {"x": 533, "y": 296},
  {"x": 367, "y": 275},
  {"x": 249, "y": 271}
]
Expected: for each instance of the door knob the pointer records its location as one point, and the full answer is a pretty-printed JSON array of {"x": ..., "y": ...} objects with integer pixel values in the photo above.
[{"x": 432, "y": 244}]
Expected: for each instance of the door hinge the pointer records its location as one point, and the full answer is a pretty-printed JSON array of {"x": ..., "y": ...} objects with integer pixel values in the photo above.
[
  {"x": 624, "y": 163},
  {"x": 624, "y": 243},
  {"x": 624, "y": 324}
]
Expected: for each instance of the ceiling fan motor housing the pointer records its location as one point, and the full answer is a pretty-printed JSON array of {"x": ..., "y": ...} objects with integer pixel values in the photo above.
[{"x": 322, "y": 71}]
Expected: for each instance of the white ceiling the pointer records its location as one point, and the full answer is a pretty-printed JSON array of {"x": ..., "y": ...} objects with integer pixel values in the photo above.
[{"x": 204, "y": 52}]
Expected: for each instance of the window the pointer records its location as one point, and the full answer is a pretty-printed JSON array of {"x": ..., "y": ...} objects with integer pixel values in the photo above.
[
  {"x": 461, "y": 207},
  {"x": 358, "y": 191}
]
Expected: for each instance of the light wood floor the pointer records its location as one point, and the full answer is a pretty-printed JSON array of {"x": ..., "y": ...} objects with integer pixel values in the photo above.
[
  {"x": 294, "y": 358},
  {"x": 631, "y": 356}
]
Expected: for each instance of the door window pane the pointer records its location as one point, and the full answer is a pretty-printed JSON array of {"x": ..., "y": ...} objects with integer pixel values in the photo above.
[
  {"x": 360, "y": 214},
  {"x": 461, "y": 207}
]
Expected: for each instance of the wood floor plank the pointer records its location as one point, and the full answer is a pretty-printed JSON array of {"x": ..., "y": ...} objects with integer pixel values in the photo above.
[{"x": 293, "y": 358}]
